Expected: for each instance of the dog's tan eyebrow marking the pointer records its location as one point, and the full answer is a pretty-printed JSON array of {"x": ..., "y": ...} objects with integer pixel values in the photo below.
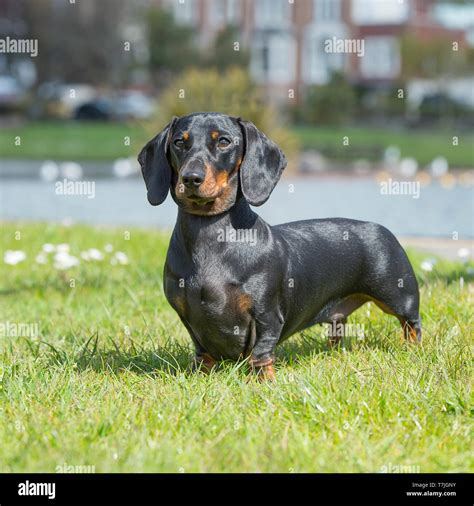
[
  {"x": 185, "y": 136},
  {"x": 214, "y": 134}
]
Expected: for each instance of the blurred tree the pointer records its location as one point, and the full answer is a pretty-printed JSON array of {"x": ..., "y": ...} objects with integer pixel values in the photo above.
[
  {"x": 171, "y": 46},
  {"x": 204, "y": 91},
  {"x": 432, "y": 59},
  {"x": 332, "y": 103},
  {"x": 78, "y": 42},
  {"x": 227, "y": 51},
  {"x": 380, "y": 104},
  {"x": 436, "y": 59}
]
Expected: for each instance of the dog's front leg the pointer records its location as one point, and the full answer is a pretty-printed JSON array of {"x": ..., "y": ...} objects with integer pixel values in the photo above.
[
  {"x": 202, "y": 361},
  {"x": 262, "y": 356},
  {"x": 263, "y": 368}
]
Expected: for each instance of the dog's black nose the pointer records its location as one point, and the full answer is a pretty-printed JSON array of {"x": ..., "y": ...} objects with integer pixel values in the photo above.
[{"x": 192, "y": 179}]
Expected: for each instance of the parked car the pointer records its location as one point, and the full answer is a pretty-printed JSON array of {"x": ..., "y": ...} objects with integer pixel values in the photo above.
[
  {"x": 121, "y": 107},
  {"x": 133, "y": 105},
  {"x": 438, "y": 107},
  {"x": 95, "y": 110},
  {"x": 61, "y": 100},
  {"x": 12, "y": 95}
]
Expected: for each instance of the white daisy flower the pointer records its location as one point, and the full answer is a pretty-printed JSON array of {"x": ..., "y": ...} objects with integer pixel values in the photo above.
[
  {"x": 48, "y": 248},
  {"x": 95, "y": 254},
  {"x": 64, "y": 260},
  {"x": 63, "y": 248},
  {"x": 41, "y": 258},
  {"x": 13, "y": 257},
  {"x": 121, "y": 258},
  {"x": 427, "y": 265}
]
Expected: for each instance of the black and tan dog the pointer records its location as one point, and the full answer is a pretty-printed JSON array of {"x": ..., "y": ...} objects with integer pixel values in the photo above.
[{"x": 241, "y": 286}]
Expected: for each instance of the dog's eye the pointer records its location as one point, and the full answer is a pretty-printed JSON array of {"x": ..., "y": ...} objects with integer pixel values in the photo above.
[
  {"x": 223, "y": 142},
  {"x": 178, "y": 142}
]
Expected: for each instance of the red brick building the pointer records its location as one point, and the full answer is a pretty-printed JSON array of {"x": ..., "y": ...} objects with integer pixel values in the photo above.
[{"x": 288, "y": 39}]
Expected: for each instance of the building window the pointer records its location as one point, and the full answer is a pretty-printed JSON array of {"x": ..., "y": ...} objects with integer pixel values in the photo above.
[
  {"x": 326, "y": 10},
  {"x": 319, "y": 64},
  {"x": 272, "y": 13},
  {"x": 381, "y": 58},
  {"x": 185, "y": 11},
  {"x": 379, "y": 12},
  {"x": 223, "y": 12},
  {"x": 233, "y": 12},
  {"x": 273, "y": 58}
]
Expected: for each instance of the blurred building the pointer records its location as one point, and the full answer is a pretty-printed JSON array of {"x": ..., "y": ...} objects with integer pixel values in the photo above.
[{"x": 288, "y": 39}]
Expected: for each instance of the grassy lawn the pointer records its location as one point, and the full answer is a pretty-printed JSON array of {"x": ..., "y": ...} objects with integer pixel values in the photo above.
[
  {"x": 73, "y": 140},
  {"x": 105, "y": 383},
  {"x": 105, "y": 141},
  {"x": 370, "y": 143}
]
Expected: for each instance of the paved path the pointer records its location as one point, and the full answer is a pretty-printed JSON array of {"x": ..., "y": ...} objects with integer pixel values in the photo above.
[{"x": 447, "y": 248}]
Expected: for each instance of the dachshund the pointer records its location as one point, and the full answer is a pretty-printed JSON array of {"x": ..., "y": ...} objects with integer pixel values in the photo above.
[{"x": 241, "y": 286}]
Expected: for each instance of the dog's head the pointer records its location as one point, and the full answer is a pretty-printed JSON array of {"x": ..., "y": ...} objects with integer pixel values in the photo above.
[{"x": 202, "y": 158}]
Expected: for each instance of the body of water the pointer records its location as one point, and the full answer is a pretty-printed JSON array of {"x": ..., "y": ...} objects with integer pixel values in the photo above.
[{"x": 437, "y": 211}]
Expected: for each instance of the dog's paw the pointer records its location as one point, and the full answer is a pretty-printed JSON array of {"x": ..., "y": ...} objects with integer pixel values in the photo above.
[
  {"x": 263, "y": 369},
  {"x": 203, "y": 363}
]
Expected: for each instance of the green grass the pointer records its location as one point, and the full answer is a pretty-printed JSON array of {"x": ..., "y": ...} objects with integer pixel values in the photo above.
[
  {"x": 370, "y": 143},
  {"x": 105, "y": 383},
  {"x": 105, "y": 141},
  {"x": 73, "y": 140}
]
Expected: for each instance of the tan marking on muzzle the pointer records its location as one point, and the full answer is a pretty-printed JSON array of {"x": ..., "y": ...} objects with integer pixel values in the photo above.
[
  {"x": 209, "y": 184},
  {"x": 215, "y": 186},
  {"x": 221, "y": 179},
  {"x": 214, "y": 182}
]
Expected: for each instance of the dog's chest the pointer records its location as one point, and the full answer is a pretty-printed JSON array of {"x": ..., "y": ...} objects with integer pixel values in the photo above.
[
  {"x": 216, "y": 308},
  {"x": 204, "y": 289}
]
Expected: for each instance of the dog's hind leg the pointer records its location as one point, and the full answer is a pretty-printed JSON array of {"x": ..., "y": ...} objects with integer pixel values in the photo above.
[
  {"x": 338, "y": 316},
  {"x": 411, "y": 330},
  {"x": 337, "y": 330},
  {"x": 408, "y": 316}
]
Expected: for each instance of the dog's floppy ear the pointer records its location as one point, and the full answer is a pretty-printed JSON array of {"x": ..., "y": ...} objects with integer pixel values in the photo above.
[
  {"x": 155, "y": 166},
  {"x": 262, "y": 165}
]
